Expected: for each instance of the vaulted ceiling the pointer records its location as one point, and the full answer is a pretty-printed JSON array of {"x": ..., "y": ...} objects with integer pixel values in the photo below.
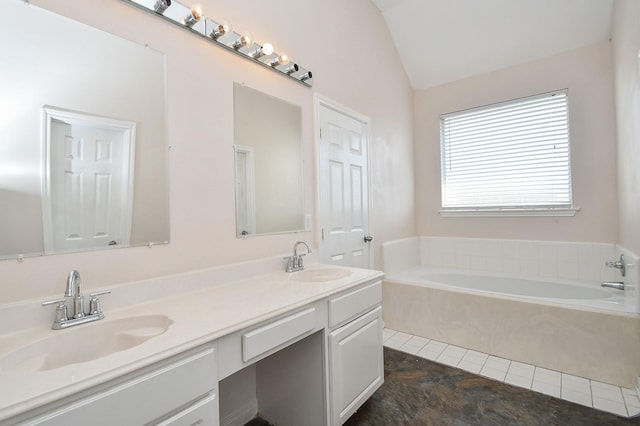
[{"x": 445, "y": 40}]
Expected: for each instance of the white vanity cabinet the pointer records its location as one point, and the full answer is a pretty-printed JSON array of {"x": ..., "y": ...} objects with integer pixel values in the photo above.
[
  {"x": 179, "y": 391},
  {"x": 308, "y": 354},
  {"x": 356, "y": 367}
]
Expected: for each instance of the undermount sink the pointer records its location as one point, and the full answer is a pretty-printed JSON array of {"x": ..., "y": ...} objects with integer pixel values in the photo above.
[
  {"x": 85, "y": 343},
  {"x": 320, "y": 275}
]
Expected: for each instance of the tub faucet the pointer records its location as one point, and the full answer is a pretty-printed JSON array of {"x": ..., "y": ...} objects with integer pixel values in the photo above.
[
  {"x": 295, "y": 263},
  {"x": 74, "y": 290},
  {"x": 618, "y": 285}
]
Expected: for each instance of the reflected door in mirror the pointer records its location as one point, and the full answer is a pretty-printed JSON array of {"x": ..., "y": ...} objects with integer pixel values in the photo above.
[
  {"x": 89, "y": 182},
  {"x": 268, "y": 162}
]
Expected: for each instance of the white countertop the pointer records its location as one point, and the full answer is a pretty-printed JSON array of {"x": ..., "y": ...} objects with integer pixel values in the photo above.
[{"x": 199, "y": 316}]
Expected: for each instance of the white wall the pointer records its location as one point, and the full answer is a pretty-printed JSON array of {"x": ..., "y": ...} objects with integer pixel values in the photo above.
[
  {"x": 353, "y": 60},
  {"x": 626, "y": 47},
  {"x": 588, "y": 74}
]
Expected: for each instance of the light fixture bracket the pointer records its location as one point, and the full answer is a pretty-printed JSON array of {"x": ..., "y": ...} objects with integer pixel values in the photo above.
[{"x": 176, "y": 12}]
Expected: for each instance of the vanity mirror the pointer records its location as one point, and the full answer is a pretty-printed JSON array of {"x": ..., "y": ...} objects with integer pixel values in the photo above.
[
  {"x": 83, "y": 151},
  {"x": 268, "y": 162}
]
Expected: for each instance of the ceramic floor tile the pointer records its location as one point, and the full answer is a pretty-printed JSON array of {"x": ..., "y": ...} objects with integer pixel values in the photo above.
[
  {"x": 602, "y": 396},
  {"x": 397, "y": 340},
  {"x": 547, "y": 376},
  {"x": 434, "y": 345},
  {"x": 630, "y": 398},
  {"x": 401, "y": 335},
  {"x": 410, "y": 349},
  {"x": 578, "y": 397},
  {"x": 546, "y": 388},
  {"x": 475, "y": 357},
  {"x": 415, "y": 345},
  {"x": 427, "y": 354},
  {"x": 579, "y": 384},
  {"x": 470, "y": 366},
  {"x": 419, "y": 392},
  {"x": 493, "y": 373},
  {"x": 516, "y": 380},
  {"x": 610, "y": 406},
  {"x": 452, "y": 361},
  {"x": 387, "y": 333},
  {"x": 393, "y": 344},
  {"x": 451, "y": 355},
  {"x": 522, "y": 370},
  {"x": 497, "y": 363},
  {"x": 606, "y": 391},
  {"x": 455, "y": 351},
  {"x": 633, "y": 411},
  {"x": 417, "y": 340}
]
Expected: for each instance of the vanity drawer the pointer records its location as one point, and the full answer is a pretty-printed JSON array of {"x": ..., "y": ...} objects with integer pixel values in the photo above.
[
  {"x": 252, "y": 344},
  {"x": 201, "y": 413},
  {"x": 274, "y": 334},
  {"x": 348, "y": 306},
  {"x": 140, "y": 399}
]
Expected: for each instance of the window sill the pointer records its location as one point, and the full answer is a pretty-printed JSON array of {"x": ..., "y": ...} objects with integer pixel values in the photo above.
[{"x": 516, "y": 212}]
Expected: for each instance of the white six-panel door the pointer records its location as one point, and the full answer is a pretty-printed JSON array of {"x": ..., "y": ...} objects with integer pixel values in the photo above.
[
  {"x": 343, "y": 188},
  {"x": 88, "y": 184}
]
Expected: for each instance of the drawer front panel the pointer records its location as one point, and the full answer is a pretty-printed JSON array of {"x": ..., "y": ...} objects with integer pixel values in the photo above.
[
  {"x": 170, "y": 386},
  {"x": 350, "y": 305},
  {"x": 272, "y": 335},
  {"x": 201, "y": 413}
]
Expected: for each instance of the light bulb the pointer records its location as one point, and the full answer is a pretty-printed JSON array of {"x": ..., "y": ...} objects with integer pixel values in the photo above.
[
  {"x": 267, "y": 49},
  {"x": 220, "y": 30},
  {"x": 194, "y": 15},
  {"x": 282, "y": 59},
  {"x": 243, "y": 41},
  {"x": 161, "y": 6}
]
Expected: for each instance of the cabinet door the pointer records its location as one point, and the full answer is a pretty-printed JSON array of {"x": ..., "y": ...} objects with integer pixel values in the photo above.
[{"x": 356, "y": 364}]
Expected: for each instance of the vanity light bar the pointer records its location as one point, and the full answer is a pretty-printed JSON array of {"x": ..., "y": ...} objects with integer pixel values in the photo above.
[{"x": 218, "y": 32}]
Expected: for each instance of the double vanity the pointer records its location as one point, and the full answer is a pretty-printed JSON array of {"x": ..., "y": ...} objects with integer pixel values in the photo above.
[{"x": 208, "y": 347}]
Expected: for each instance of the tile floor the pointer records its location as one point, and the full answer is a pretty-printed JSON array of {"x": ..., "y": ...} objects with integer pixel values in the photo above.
[{"x": 601, "y": 396}]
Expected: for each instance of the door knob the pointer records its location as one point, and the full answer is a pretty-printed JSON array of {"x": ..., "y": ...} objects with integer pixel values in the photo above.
[
  {"x": 368, "y": 238},
  {"x": 113, "y": 243}
]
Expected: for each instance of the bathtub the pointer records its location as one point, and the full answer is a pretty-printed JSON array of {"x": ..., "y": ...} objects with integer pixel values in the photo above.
[
  {"x": 580, "y": 329},
  {"x": 551, "y": 291}
]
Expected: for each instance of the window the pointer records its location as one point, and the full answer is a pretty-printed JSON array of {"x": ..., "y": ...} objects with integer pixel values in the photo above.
[{"x": 510, "y": 158}]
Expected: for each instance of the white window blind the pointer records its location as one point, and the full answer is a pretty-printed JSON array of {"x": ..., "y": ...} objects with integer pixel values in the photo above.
[{"x": 508, "y": 156}]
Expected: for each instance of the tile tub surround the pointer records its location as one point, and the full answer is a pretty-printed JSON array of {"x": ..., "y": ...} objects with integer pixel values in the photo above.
[
  {"x": 204, "y": 305},
  {"x": 544, "y": 259},
  {"x": 418, "y": 391}
]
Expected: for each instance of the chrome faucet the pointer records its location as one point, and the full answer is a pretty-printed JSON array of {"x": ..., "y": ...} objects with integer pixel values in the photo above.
[
  {"x": 295, "y": 263},
  {"x": 74, "y": 289},
  {"x": 618, "y": 285},
  {"x": 618, "y": 264}
]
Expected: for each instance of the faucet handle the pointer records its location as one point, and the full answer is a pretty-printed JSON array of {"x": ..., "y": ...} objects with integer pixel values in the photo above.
[
  {"x": 290, "y": 262},
  {"x": 61, "y": 309},
  {"x": 94, "y": 302},
  {"x": 618, "y": 264}
]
